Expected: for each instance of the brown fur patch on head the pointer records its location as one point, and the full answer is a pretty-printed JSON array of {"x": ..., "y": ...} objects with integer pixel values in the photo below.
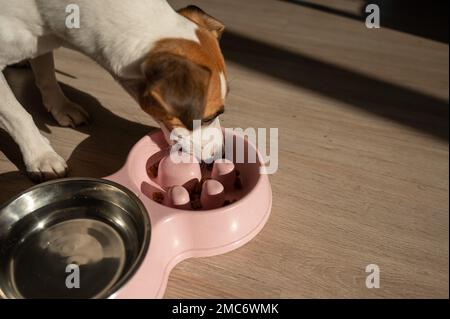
[
  {"x": 183, "y": 80},
  {"x": 177, "y": 88}
]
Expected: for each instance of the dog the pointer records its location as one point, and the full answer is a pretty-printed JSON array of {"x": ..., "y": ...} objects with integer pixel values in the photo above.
[{"x": 169, "y": 61}]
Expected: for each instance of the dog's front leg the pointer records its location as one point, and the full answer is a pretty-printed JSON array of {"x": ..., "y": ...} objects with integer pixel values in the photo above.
[
  {"x": 41, "y": 161},
  {"x": 65, "y": 112}
]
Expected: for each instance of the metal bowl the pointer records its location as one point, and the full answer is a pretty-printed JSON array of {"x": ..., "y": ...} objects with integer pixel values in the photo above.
[{"x": 71, "y": 238}]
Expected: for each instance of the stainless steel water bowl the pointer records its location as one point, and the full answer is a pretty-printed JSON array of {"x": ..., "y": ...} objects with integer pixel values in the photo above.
[{"x": 71, "y": 238}]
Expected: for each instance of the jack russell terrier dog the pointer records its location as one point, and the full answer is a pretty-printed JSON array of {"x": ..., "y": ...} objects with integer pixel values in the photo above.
[{"x": 169, "y": 62}]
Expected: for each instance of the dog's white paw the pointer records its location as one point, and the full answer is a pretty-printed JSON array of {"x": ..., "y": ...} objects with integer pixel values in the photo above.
[
  {"x": 46, "y": 166},
  {"x": 70, "y": 114}
]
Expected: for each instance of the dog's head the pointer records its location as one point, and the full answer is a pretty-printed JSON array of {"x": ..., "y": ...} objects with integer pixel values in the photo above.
[{"x": 186, "y": 80}]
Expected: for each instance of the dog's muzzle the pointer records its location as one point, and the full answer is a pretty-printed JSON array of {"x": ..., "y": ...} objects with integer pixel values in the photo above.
[{"x": 205, "y": 142}]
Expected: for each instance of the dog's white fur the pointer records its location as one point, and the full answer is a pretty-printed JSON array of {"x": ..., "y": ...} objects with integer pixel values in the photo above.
[{"x": 116, "y": 34}]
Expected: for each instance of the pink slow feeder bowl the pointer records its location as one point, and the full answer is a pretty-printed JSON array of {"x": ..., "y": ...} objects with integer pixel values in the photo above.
[{"x": 178, "y": 232}]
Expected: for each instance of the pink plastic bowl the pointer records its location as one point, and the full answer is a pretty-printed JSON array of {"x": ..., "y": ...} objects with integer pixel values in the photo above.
[
  {"x": 178, "y": 234},
  {"x": 213, "y": 194},
  {"x": 184, "y": 171},
  {"x": 178, "y": 197},
  {"x": 224, "y": 172}
]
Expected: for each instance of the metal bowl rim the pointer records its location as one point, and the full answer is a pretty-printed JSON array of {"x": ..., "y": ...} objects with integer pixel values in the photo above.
[{"x": 147, "y": 224}]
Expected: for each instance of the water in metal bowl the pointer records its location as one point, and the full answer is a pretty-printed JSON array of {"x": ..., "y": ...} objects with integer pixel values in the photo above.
[{"x": 71, "y": 238}]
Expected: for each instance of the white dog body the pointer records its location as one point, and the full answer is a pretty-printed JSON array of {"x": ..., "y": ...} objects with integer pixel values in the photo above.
[{"x": 116, "y": 34}]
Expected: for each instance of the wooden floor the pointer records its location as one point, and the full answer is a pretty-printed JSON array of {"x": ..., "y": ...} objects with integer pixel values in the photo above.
[{"x": 363, "y": 152}]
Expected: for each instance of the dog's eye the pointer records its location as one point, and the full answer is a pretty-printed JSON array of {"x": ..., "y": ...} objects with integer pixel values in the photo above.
[
  {"x": 211, "y": 119},
  {"x": 208, "y": 121}
]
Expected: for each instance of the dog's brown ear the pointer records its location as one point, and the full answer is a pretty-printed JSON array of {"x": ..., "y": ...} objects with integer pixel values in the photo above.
[
  {"x": 177, "y": 86},
  {"x": 203, "y": 19}
]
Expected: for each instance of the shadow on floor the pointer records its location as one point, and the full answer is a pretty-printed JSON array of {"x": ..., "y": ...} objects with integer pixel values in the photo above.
[
  {"x": 103, "y": 151},
  {"x": 428, "y": 19},
  {"x": 418, "y": 110},
  {"x": 109, "y": 137}
]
